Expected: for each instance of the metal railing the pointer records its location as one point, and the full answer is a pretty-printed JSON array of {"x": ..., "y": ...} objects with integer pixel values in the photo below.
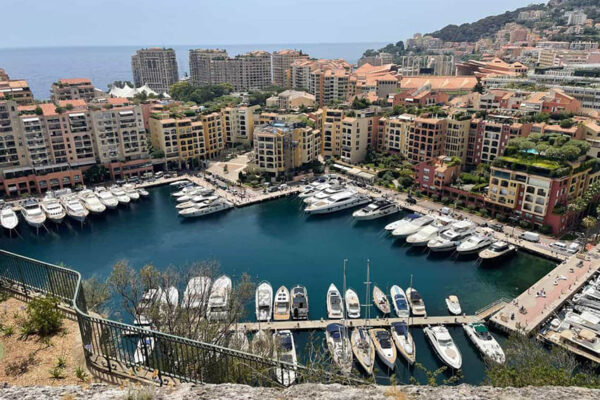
[
  {"x": 483, "y": 310},
  {"x": 131, "y": 350}
]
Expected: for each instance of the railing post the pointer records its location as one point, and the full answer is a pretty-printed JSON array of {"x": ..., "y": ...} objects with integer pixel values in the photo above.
[
  {"x": 22, "y": 279},
  {"x": 50, "y": 281}
]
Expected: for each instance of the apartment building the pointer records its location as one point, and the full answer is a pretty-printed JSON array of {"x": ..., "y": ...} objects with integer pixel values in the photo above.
[
  {"x": 282, "y": 61},
  {"x": 439, "y": 65},
  {"x": 327, "y": 80},
  {"x": 238, "y": 124},
  {"x": 214, "y": 137},
  {"x": 379, "y": 81},
  {"x": 426, "y": 139},
  {"x": 492, "y": 137},
  {"x": 155, "y": 67},
  {"x": 291, "y": 100},
  {"x": 72, "y": 89},
  {"x": 395, "y": 133},
  {"x": 208, "y": 66},
  {"x": 457, "y": 138},
  {"x": 435, "y": 175},
  {"x": 332, "y": 132},
  {"x": 17, "y": 90},
  {"x": 281, "y": 147},
  {"x": 376, "y": 60},
  {"x": 357, "y": 133},
  {"x": 11, "y": 149}
]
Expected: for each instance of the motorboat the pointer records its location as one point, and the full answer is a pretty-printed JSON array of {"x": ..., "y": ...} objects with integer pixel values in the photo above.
[
  {"x": 311, "y": 190},
  {"x": 352, "y": 304},
  {"x": 281, "y": 306},
  {"x": 143, "y": 192},
  {"x": 8, "y": 218},
  {"x": 218, "y": 301},
  {"x": 74, "y": 208},
  {"x": 131, "y": 191},
  {"x": 206, "y": 209},
  {"x": 453, "y": 305},
  {"x": 325, "y": 193},
  {"x": 400, "y": 302},
  {"x": 202, "y": 198},
  {"x": 416, "y": 302},
  {"x": 584, "y": 339},
  {"x": 120, "y": 194},
  {"x": 338, "y": 343},
  {"x": 481, "y": 337},
  {"x": 406, "y": 220},
  {"x": 377, "y": 209},
  {"x": 337, "y": 202},
  {"x": 584, "y": 320},
  {"x": 91, "y": 202},
  {"x": 412, "y": 227},
  {"x": 335, "y": 307},
  {"x": 285, "y": 351},
  {"x": 474, "y": 244},
  {"x": 179, "y": 184},
  {"x": 107, "y": 198},
  {"x": 363, "y": 349},
  {"x": 263, "y": 299},
  {"x": 143, "y": 349},
  {"x": 55, "y": 212},
  {"x": 196, "y": 201},
  {"x": 381, "y": 300},
  {"x": 423, "y": 236},
  {"x": 444, "y": 346},
  {"x": 404, "y": 341},
  {"x": 190, "y": 195},
  {"x": 185, "y": 190},
  {"x": 299, "y": 302},
  {"x": 33, "y": 214},
  {"x": 451, "y": 238},
  {"x": 497, "y": 250},
  {"x": 384, "y": 346},
  {"x": 196, "y": 293},
  {"x": 154, "y": 303},
  {"x": 238, "y": 340}
]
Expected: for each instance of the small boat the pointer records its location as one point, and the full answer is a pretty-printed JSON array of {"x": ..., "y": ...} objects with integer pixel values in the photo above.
[
  {"x": 143, "y": 192},
  {"x": 378, "y": 209},
  {"x": 196, "y": 292},
  {"x": 406, "y": 220},
  {"x": 285, "y": 351},
  {"x": 352, "y": 304},
  {"x": 144, "y": 348},
  {"x": 400, "y": 302},
  {"x": 444, "y": 346},
  {"x": 106, "y": 197},
  {"x": 8, "y": 218},
  {"x": 33, "y": 214},
  {"x": 416, "y": 302},
  {"x": 155, "y": 301},
  {"x": 281, "y": 307},
  {"x": 299, "y": 302},
  {"x": 381, "y": 300},
  {"x": 131, "y": 191},
  {"x": 335, "y": 307},
  {"x": 218, "y": 301},
  {"x": 384, "y": 346},
  {"x": 339, "y": 346},
  {"x": 263, "y": 298},
  {"x": 474, "y": 244},
  {"x": 91, "y": 202},
  {"x": 203, "y": 209},
  {"x": 412, "y": 227},
  {"x": 481, "y": 337},
  {"x": 120, "y": 194},
  {"x": 496, "y": 250},
  {"x": 363, "y": 349},
  {"x": 74, "y": 208},
  {"x": 239, "y": 341},
  {"x": 453, "y": 305},
  {"x": 404, "y": 341},
  {"x": 55, "y": 212}
]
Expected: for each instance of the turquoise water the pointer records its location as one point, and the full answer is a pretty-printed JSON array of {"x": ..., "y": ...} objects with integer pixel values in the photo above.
[{"x": 275, "y": 241}]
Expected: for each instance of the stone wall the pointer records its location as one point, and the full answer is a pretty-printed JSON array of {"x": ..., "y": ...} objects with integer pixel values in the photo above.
[{"x": 305, "y": 391}]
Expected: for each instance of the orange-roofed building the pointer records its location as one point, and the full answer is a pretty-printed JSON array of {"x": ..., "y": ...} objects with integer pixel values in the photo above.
[
  {"x": 494, "y": 67},
  {"x": 17, "y": 90},
  {"x": 453, "y": 85},
  {"x": 381, "y": 80},
  {"x": 551, "y": 102},
  {"x": 72, "y": 89}
]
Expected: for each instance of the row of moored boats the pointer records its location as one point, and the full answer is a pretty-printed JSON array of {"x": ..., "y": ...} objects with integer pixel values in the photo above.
[{"x": 195, "y": 201}]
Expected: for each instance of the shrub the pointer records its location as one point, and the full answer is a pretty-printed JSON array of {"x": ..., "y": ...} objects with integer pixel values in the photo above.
[
  {"x": 545, "y": 229},
  {"x": 81, "y": 374},
  {"x": 501, "y": 217},
  {"x": 20, "y": 366},
  {"x": 445, "y": 200},
  {"x": 8, "y": 330},
  {"x": 524, "y": 224},
  {"x": 43, "y": 317},
  {"x": 61, "y": 362},
  {"x": 57, "y": 373},
  {"x": 436, "y": 197},
  {"x": 485, "y": 213}
]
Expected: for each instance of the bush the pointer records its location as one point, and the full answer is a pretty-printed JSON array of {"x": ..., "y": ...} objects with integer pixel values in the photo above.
[
  {"x": 501, "y": 217},
  {"x": 524, "y": 224},
  {"x": 545, "y": 229},
  {"x": 445, "y": 200},
  {"x": 43, "y": 317},
  {"x": 20, "y": 366}
]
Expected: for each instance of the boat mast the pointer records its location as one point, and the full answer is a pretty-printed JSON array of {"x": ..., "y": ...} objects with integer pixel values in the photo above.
[
  {"x": 367, "y": 305},
  {"x": 344, "y": 291}
]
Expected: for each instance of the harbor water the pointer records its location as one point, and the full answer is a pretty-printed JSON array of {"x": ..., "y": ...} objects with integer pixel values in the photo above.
[{"x": 275, "y": 241}]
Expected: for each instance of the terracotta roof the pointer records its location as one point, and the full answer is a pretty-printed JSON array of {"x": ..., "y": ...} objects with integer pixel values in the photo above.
[
  {"x": 48, "y": 109},
  {"x": 75, "y": 81},
  {"x": 447, "y": 83},
  {"x": 79, "y": 104},
  {"x": 117, "y": 101}
]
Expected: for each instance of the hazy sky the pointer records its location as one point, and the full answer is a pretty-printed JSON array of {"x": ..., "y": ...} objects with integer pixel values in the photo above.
[{"x": 32, "y": 23}]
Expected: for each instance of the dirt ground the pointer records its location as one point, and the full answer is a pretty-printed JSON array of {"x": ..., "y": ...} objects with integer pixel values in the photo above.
[{"x": 66, "y": 345}]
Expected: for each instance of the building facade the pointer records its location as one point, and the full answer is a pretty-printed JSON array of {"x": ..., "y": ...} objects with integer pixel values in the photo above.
[
  {"x": 282, "y": 61},
  {"x": 155, "y": 67},
  {"x": 72, "y": 89}
]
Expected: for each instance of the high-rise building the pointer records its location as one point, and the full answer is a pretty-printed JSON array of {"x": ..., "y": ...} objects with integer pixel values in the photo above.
[
  {"x": 208, "y": 66},
  {"x": 17, "y": 90},
  {"x": 155, "y": 67},
  {"x": 356, "y": 134},
  {"x": 282, "y": 61},
  {"x": 327, "y": 80},
  {"x": 426, "y": 140},
  {"x": 73, "y": 89},
  {"x": 238, "y": 124},
  {"x": 395, "y": 133}
]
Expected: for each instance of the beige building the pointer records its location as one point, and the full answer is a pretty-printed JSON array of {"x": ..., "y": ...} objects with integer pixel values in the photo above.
[
  {"x": 238, "y": 124},
  {"x": 457, "y": 137},
  {"x": 208, "y": 66},
  {"x": 291, "y": 100},
  {"x": 332, "y": 132},
  {"x": 17, "y": 90},
  {"x": 356, "y": 134},
  {"x": 155, "y": 67},
  {"x": 73, "y": 89},
  {"x": 12, "y": 153},
  {"x": 282, "y": 61},
  {"x": 395, "y": 133},
  {"x": 327, "y": 80}
]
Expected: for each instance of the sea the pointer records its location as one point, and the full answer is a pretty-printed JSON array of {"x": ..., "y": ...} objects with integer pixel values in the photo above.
[
  {"x": 275, "y": 241},
  {"x": 104, "y": 65}
]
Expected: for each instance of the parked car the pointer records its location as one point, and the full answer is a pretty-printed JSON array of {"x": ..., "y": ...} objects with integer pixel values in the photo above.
[
  {"x": 283, "y": 186},
  {"x": 559, "y": 246},
  {"x": 497, "y": 227},
  {"x": 573, "y": 248},
  {"x": 411, "y": 200},
  {"x": 530, "y": 236},
  {"x": 445, "y": 211}
]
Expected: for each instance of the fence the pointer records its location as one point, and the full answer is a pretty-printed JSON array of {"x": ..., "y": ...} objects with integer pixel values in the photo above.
[{"x": 123, "y": 348}]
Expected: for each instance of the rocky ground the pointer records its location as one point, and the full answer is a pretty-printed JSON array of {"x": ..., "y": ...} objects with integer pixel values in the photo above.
[{"x": 298, "y": 392}]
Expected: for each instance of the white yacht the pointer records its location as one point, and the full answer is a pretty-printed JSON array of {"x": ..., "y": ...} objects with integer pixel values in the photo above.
[
  {"x": 474, "y": 244},
  {"x": 400, "y": 302},
  {"x": 429, "y": 232},
  {"x": 406, "y": 220},
  {"x": 203, "y": 209},
  {"x": 74, "y": 207},
  {"x": 197, "y": 191},
  {"x": 144, "y": 348},
  {"x": 335, "y": 307},
  {"x": 55, "y": 212},
  {"x": 142, "y": 192},
  {"x": 339, "y": 346},
  {"x": 152, "y": 301},
  {"x": 285, "y": 350},
  {"x": 453, "y": 305},
  {"x": 451, "y": 238},
  {"x": 299, "y": 302},
  {"x": 195, "y": 295},
  {"x": 481, "y": 337},
  {"x": 196, "y": 201},
  {"x": 412, "y": 227},
  {"x": 8, "y": 218},
  {"x": 324, "y": 194},
  {"x": 120, "y": 194},
  {"x": 187, "y": 189},
  {"x": 33, "y": 214},
  {"x": 91, "y": 202},
  {"x": 378, "y": 209},
  {"x": 218, "y": 301},
  {"x": 281, "y": 305},
  {"x": 352, "y": 304},
  {"x": 337, "y": 202},
  {"x": 312, "y": 189},
  {"x": 444, "y": 346},
  {"x": 107, "y": 198},
  {"x": 131, "y": 191},
  {"x": 263, "y": 299},
  {"x": 404, "y": 341},
  {"x": 497, "y": 250},
  {"x": 416, "y": 302}
]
